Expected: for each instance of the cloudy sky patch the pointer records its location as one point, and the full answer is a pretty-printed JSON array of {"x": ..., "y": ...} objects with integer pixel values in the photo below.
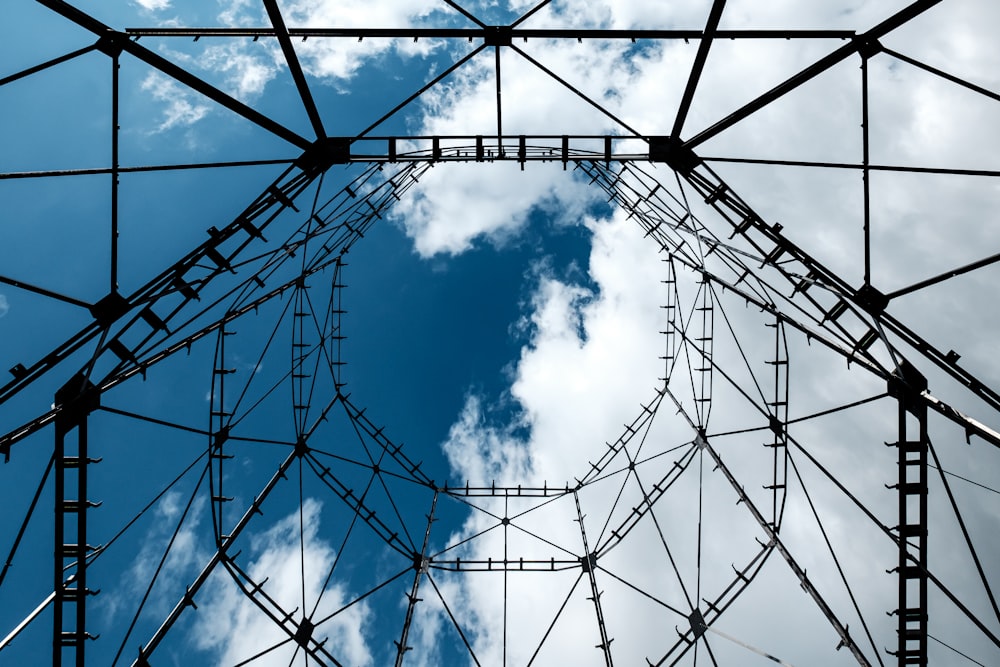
[{"x": 647, "y": 357}]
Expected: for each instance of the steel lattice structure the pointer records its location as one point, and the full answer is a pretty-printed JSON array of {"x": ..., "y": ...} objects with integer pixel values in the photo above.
[{"x": 746, "y": 303}]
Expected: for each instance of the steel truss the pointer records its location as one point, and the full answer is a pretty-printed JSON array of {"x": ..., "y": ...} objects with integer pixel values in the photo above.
[{"x": 281, "y": 264}]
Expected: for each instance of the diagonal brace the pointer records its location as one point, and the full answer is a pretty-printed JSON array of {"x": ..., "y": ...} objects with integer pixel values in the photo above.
[{"x": 281, "y": 32}]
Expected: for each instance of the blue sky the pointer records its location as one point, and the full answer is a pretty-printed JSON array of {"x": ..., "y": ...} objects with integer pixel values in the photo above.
[{"x": 503, "y": 324}]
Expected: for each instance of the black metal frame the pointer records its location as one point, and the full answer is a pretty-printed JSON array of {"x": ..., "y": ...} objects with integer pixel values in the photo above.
[{"x": 832, "y": 318}]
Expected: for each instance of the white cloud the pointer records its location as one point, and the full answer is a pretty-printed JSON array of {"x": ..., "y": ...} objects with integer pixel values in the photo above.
[
  {"x": 182, "y": 108},
  {"x": 341, "y": 58},
  {"x": 235, "y": 13},
  {"x": 332, "y": 59},
  {"x": 247, "y": 68},
  {"x": 458, "y": 205},
  {"x": 233, "y": 628},
  {"x": 4, "y": 305},
  {"x": 581, "y": 375},
  {"x": 154, "y": 5},
  {"x": 187, "y": 553}
]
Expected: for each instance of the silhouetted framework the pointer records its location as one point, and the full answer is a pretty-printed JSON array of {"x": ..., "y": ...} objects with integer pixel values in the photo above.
[{"x": 275, "y": 276}]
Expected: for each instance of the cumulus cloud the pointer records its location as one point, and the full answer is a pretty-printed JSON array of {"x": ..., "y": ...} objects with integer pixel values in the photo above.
[
  {"x": 247, "y": 70},
  {"x": 182, "y": 108},
  {"x": 567, "y": 381},
  {"x": 233, "y": 628},
  {"x": 328, "y": 59},
  {"x": 4, "y": 305},
  {"x": 187, "y": 553},
  {"x": 154, "y": 5},
  {"x": 460, "y": 205},
  {"x": 341, "y": 59}
]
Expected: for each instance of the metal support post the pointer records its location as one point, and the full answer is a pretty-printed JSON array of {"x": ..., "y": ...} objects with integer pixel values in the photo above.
[
  {"x": 907, "y": 385},
  {"x": 76, "y": 400}
]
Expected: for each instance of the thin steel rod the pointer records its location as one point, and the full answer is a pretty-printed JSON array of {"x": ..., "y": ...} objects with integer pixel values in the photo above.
[
  {"x": 464, "y": 12},
  {"x": 579, "y": 94},
  {"x": 281, "y": 32},
  {"x": 153, "y": 420},
  {"x": 749, "y": 647},
  {"x": 47, "y": 64},
  {"x": 965, "y": 531},
  {"x": 812, "y": 71},
  {"x": 836, "y": 562},
  {"x": 480, "y": 33},
  {"x": 129, "y": 170},
  {"x": 528, "y": 14},
  {"x": 865, "y": 174},
  {"x": 496, "y": 50},
  {"x": 966, "y": 479},
  {"x": 972, "y": 660},
  {"x": 454, "y": 621},
  {"x": 892, "y": 536},
  {"x": 193, "y": 589},
  {"x": 622, "y": 157},
  {"x": 423, "y": 90},
  {"x": 44, "y": 292},
  {"x": 159, "y": 568},
  {"x": 714, "y": 16},
  {"x": 24, "y": 523},
  {"x": 616, "y": 157},
  {"x": 986, "y": 261},
  {"x": 849, "y": 165},
  {"x": 114, "y": 173},
  {"x": 28, "y": 619},
  {"x": 943, "y": 74}
]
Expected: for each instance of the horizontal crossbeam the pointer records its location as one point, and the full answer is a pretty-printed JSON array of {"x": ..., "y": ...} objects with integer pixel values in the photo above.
[{"x": 487, "y": 32}]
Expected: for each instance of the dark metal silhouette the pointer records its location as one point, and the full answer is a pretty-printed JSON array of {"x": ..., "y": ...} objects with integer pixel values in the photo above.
[{"x": 259, "y": 258}]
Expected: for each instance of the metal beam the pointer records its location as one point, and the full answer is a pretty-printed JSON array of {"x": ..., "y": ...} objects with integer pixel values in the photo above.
[
  {"x": 911, "y": 489},
  {"x": 851, "y": 165},
  {"x": 127, "y": 170},
  {"x": 423, "y": 90},
  {"x": 711, "y": 27},
  {"x": 942, "y": 74},
  {"x": 115, "y": 66},
  {"x": 481, "y": 33},
  {"x": 986, "y": 261},
  {"x": 44, "y": 292},
  {"x": 47, "y": 64},
  {"x": 464, "y": 12},
  {"x": 281, "y": 32}
]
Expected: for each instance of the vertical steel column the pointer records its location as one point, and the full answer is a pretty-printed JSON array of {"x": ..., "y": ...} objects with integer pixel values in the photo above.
[
  {"x": 77, "y": 399},
  {"x": 114, "y": 172},
  {"x": 906, "y": 386}
]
